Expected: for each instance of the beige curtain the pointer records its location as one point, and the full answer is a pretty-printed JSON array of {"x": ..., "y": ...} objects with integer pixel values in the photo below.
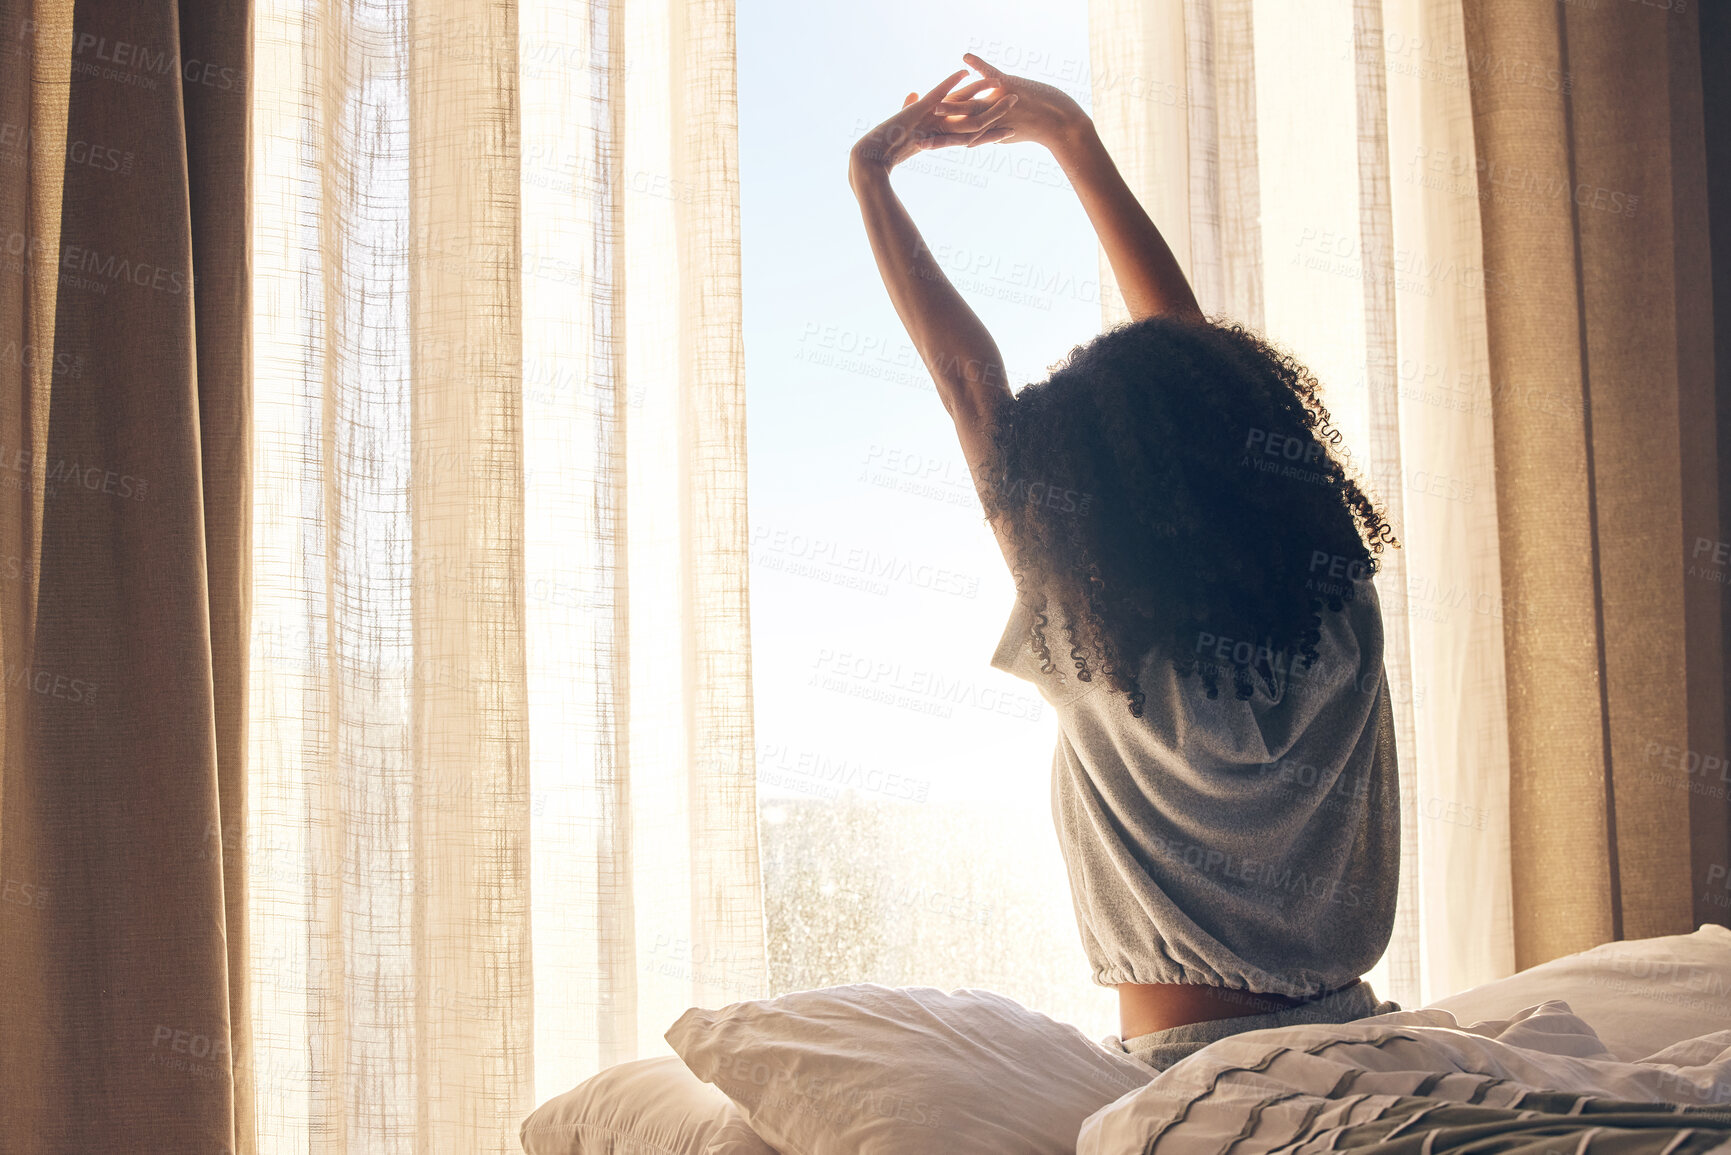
[
  {"x": 125, "y": 564},
  {"x": 501, "y": 684},
  {"x": 1607, "y": 467},
  {"x": 1390, "y": 190}
]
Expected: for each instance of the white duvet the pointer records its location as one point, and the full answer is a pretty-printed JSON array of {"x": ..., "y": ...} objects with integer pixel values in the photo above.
[{"x": 1301, "y": 1088}]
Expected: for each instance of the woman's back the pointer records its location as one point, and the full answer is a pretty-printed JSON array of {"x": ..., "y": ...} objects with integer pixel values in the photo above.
[{"x": 1244, "y": 843}]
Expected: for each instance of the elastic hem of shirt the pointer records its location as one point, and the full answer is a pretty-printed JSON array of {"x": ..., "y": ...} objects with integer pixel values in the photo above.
[
  {"x": 1161, "y": 1049},
  {"x": 1308, "y": 984}
]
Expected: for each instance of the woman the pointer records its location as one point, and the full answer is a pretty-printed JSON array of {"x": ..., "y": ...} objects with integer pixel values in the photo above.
[{"x": 1174, "y": 507}]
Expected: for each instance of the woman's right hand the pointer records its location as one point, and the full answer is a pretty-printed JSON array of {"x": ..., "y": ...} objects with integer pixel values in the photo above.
[{"x": 1042, "y": 113}]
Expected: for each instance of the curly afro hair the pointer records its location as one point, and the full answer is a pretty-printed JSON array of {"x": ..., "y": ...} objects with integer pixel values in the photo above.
[{"x": 1175, "y": 482}]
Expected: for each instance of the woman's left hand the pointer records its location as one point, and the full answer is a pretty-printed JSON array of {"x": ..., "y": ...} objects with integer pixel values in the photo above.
[{"x": 919, "y": 126}]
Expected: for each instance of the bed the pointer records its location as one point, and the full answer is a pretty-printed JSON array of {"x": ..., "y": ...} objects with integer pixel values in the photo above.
[{"x": 1621, "y": 1050}]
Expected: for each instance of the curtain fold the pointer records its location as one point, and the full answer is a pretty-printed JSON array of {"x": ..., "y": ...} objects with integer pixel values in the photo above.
[
  {"x": 36, "y": 43},
  {"x": 1432, "y": 392},
  {"x": 1710, "y": 815},
  {"x": 123, "y": 954},
  {"x": 1384, "y": 451},
  {"x": 1593, "y": 185},
  {"x": 468, "y": 802}
]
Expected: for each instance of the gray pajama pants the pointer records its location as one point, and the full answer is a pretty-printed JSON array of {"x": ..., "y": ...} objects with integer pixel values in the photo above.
[{"x": 1160, "y": 1049}]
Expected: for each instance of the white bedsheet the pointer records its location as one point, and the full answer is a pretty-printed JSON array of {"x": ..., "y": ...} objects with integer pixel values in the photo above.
[{"x": 1264, "y": 1090}]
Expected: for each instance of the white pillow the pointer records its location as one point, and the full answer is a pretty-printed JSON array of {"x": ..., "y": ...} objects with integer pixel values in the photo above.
[
  {"x": 648, "y": 1107},
  {"x": 1640, "y": 996},
  {"x": 871, "y": 1070}
]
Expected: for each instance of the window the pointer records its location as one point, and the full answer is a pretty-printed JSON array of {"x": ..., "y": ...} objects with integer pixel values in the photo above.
[{"x": 903, "y": 782}]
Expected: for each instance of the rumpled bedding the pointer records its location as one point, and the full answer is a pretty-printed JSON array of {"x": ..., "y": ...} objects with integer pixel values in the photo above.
[{"x": 1419, "y": 1083}]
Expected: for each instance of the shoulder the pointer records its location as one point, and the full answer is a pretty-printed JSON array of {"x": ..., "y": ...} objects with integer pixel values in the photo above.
[
  {"x": 1347, "y": 680},
  {"x": 1363, "y": 616}
]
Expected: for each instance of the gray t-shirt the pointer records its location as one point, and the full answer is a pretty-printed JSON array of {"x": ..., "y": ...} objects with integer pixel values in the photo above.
[{"x": 1249, "y": 844}]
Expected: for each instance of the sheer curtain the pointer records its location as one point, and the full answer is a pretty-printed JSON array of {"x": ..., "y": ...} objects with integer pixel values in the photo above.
[
  {"x": 1393, "y": 190},
  {"x": 501, "y": 685}
]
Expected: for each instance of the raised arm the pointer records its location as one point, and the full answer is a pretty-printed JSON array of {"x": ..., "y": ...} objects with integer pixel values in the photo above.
[
  {"x": 1147, "y": 273},
  {"x": 964, "y": 361},
  {"x": 961, "y": 355}
]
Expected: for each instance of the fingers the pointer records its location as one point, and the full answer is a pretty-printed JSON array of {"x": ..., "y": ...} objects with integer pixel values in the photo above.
[
  {"x": 947, "y": 83},
  {"x": 970, "y": 88},
  {"x": 960, "y": 107},
  {"x": 981, "y": 66},
  {"x": 975, "y": 121},
  {"x": 912, "y": 96},
  {"x": 961, "y": 102}
]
